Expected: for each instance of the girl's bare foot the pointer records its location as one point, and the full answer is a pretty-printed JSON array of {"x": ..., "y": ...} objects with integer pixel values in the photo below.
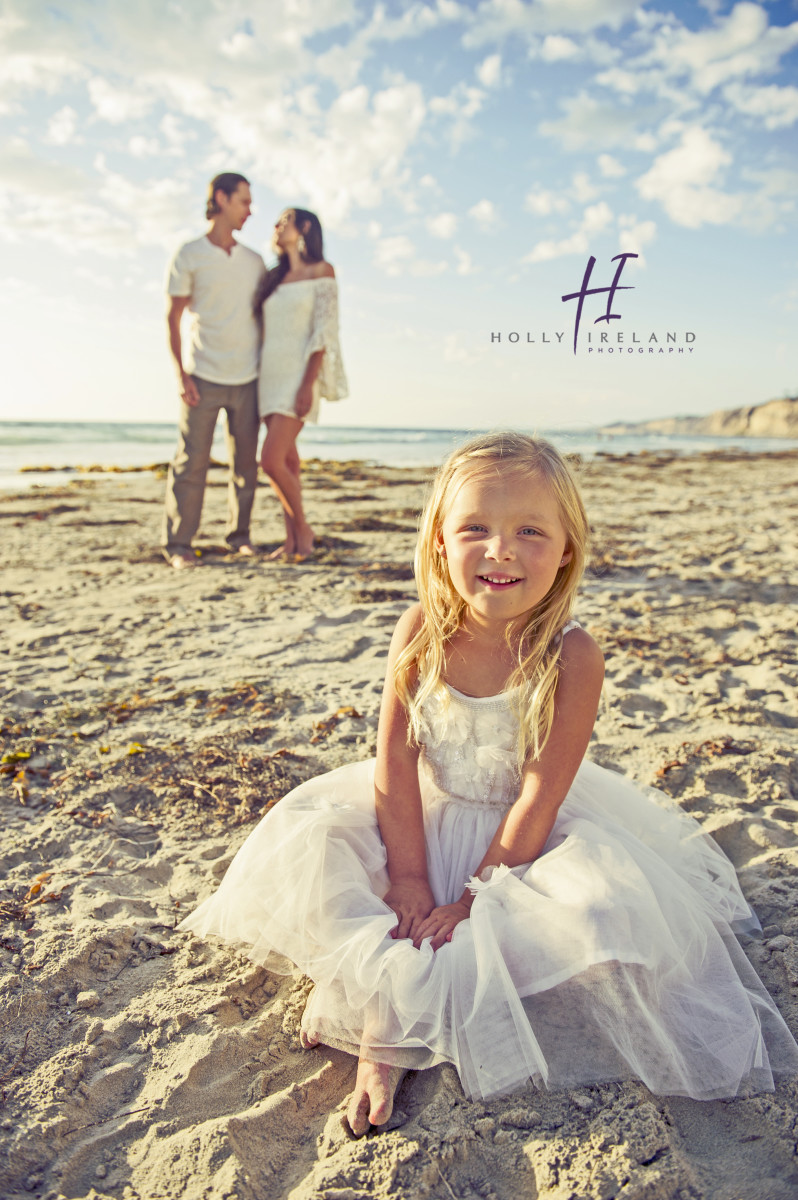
[
  {"x": 371, "y": 1102},
  {"x": 287, "y": 550},
  {"x": 308, "y": 1039}
]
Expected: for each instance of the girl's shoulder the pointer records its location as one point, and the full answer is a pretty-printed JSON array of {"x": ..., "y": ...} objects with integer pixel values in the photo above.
[
  {"x": 581, "y": 655},
  {"x": 408, "y": 626}
]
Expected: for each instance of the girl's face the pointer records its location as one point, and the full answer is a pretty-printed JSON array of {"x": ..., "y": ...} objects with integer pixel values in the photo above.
[
  {"x": 504, "y": 543},
  {"x": 285, "y": 231}
]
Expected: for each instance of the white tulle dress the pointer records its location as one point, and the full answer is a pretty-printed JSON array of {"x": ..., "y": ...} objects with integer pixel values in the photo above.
[{"x": 612, "y": 956}]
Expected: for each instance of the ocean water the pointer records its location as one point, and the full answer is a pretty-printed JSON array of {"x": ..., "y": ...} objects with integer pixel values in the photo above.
[{"x": 67, "y": 449}]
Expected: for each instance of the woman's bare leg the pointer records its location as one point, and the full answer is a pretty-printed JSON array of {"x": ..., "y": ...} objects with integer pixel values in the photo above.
[
  {"x": 371, "y": 1103},
  {"x": 289, "y": 545},
  {"x": 280, "y": 461}
]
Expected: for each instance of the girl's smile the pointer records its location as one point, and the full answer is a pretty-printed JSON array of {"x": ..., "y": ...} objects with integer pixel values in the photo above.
[
  {"x": 504, "y": 542},
  {"x": 500, "y": 581}
]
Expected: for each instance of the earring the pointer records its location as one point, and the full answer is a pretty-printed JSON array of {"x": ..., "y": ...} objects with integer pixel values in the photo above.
[
  {"x": 562, "y": 562},
  {"x": 301, "y": 244}
]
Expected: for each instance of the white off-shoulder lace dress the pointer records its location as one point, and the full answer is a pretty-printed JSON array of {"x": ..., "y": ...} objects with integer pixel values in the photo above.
[
  {"x": 612, "y": 956},
  {"x": 298, "y": 319}
]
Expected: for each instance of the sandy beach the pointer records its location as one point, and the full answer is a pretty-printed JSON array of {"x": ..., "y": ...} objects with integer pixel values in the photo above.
[{"x": 149, "y": 717}]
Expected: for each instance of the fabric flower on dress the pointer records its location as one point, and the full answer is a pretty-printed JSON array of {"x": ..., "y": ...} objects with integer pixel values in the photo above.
[
  {"x": 495, "y": 758},
  {"x": 445, "y": 720},
  {"x": 495, "y": 879}
]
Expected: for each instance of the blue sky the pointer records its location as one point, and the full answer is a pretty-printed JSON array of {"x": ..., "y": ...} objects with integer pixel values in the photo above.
[{"x": 466, "y": 159}]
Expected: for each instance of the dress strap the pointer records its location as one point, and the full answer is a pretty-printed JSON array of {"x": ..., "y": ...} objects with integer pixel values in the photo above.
[{"x": 567, "y": 628}]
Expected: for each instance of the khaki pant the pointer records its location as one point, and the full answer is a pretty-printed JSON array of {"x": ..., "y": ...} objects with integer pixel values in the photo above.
[{"x": 185, "y": 485}]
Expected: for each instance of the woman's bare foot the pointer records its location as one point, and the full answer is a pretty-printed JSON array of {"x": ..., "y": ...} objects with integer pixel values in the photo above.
[
  {"x": 371, "y": 1103},
  {"x": 304, "y": 543},
  {"x": 308, "y": 1039},
  {"x": 285, "y": 551}
]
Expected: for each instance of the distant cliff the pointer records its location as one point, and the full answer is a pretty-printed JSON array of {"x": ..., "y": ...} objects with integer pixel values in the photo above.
[{"x": 776, "y": 418}]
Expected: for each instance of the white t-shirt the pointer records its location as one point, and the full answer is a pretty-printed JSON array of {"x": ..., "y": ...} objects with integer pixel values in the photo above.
[{"x": 224, "y": 338}]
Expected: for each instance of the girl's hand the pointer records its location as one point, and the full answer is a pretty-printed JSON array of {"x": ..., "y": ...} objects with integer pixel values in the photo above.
[
  {"x": 304, "y": 399},
  {"x": 441, "y": 924},
  {"x": 412, "y": 901}
]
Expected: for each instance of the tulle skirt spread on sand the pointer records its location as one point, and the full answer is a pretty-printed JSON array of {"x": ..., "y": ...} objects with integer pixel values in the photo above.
[{"x": 612, "y": 956}]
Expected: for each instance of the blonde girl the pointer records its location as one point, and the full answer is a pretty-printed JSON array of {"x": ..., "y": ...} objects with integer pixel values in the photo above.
[{"x": 479, "y": 894}]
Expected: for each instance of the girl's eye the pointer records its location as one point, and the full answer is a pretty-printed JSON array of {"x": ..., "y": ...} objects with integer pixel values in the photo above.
[
  {"x": 475, "y": 529},
  {"x": 530, "y": 531}
]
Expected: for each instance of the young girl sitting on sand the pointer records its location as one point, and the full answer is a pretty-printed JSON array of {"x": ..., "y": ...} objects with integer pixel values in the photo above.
[{"x": 478, "y": 894}]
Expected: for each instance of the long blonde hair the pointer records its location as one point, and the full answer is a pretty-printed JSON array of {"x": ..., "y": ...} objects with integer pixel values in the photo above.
[{"x": 537, "y": 645}]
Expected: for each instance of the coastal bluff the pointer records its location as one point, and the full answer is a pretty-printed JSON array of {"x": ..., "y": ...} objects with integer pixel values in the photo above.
[{"x": 774, "y": 419}]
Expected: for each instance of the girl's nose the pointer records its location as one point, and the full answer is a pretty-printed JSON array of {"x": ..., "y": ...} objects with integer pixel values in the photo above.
[{"x": 499, "y": 547}]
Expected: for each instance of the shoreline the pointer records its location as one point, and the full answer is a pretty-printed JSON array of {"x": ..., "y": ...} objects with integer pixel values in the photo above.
[
  {"x": 76, "y": 473},
  {"x": 150, "y": 716}
]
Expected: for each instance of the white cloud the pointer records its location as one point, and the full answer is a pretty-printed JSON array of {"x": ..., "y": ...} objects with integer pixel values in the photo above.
[
  {"x": 484, "y": 213},
  {"x": 776, "y": 106},
  {"x": 117, "y": 105},
  {"x": 543, "y": 203},
  {"x": 588, "y": 122},
  {"x": 62, "y": 127},
  {"x": 443, "y": 226},
  {"x": 622, "y": 80},
  {"x": 741, "y": 44},
  {"x": 597, "y": 217},
  {"x": 240, "y": 45},
  {"x": 633, "y": 235},
  {"x": 582, "y": 189},
  {"x": 556, "y": 48},
  {"x": 60, "y": 205},
  {"x": 462, "y": 104},
  {"x": 397, "y": 256},
  {"x": 683, "y": 181},
  {"x": 495, "y": 20},
  {"x": 489, "y": 71},
  {"x": 392, "y": 253},
  {"x": 550, "y": 248},
  {"x": 465, "y": 265},
  {"x": 144, "y": 147},
  {"x": 610, "y": 167},
  {"x": 683, "y": 66},
  {"x": 595, "y": 220},
  {"x": 24, "y": 171},
  {"x": 31, "y": 70},
  {"x": 176, "y": 135}
]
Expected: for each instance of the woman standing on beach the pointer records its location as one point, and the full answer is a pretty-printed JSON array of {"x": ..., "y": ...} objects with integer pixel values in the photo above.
[{"x": 300, "y": 363}]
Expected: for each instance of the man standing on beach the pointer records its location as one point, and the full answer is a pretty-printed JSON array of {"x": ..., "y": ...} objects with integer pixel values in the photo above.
[{"x": 215, "y": 278}]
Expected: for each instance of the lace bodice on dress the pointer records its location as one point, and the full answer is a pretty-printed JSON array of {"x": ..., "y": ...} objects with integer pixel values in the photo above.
[{"x": 470, "y": 747}]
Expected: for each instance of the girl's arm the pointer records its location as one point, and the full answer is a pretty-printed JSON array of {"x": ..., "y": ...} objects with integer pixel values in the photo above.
[
  {"x": 523, "y": 831},
  {"x": 398, "y": 799}
]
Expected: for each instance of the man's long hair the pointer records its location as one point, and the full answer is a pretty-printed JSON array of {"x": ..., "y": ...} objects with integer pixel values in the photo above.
[{"x": 228, "y": 183}]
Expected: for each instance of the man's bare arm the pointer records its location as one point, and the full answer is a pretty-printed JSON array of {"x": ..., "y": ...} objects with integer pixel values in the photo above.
[{"x": 188, "y": 388}]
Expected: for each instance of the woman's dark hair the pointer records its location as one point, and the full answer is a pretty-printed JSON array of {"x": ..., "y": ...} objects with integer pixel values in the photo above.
[
  {"x": 309, "y": 226},
  {"x": 228, "y": 183}
]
